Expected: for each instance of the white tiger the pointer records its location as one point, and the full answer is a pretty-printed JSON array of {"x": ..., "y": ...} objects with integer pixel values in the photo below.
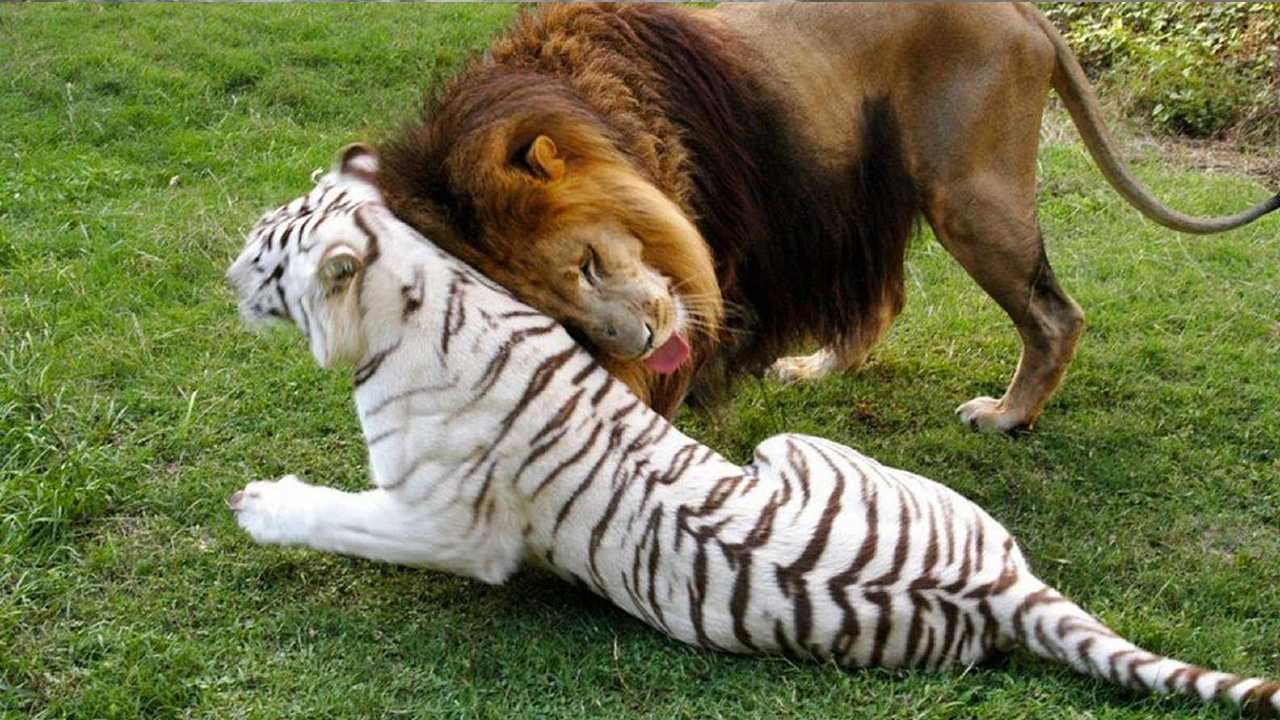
[{"x": 493, "y": 438}]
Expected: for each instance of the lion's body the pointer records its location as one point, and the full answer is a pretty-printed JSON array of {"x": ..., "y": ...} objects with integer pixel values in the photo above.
[{"x": 769, "y": 161}]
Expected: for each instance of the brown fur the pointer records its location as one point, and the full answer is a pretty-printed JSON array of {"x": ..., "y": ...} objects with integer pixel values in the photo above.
[
  {"x": 768, "y": 162},
  {"x": 452, "y": 178}
]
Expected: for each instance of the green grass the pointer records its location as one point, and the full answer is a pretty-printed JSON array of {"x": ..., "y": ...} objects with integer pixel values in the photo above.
[
  {"x": 1199, "y": 69},
  {"x": 136, "y": 146}
]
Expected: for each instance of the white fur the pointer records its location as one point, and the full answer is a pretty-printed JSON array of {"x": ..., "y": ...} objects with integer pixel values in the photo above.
[{"x": 494, "y": 439}]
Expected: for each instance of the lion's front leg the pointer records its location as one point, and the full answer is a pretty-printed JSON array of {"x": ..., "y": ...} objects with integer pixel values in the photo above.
[
  {"x": 803, "y": 368},
  {"x": 849, "y": 353}
]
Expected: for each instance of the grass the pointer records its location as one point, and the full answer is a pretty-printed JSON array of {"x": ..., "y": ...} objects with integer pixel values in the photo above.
[
  {"x": 1206, "y": 69},
  {"x": 137, "y": 143}
]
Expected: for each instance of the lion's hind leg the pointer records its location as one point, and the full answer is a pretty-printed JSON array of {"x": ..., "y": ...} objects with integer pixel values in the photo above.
[
  {"x": 994, "y": 235},
  {"x": 978, "y": 179}
]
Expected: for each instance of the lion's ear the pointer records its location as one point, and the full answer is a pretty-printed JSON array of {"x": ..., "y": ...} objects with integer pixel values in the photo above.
[{"x": 543, "y": 158}]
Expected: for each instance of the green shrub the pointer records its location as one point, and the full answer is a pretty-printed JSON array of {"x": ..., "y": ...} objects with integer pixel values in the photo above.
[{"x": 1199, "y": 69}]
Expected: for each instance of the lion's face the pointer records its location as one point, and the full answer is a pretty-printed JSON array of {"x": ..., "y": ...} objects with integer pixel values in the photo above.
[
  {"x": 588, "y": 240},
  {"x": 605, "y": 252},
  {"x": 595, "y": 279},
  {"x": 571, "y": 227}
]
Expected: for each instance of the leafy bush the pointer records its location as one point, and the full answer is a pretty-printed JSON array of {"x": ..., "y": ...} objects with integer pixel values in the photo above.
[{"x": 1200, "y": 69}]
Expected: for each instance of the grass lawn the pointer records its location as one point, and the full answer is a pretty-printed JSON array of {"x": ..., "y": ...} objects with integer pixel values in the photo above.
[{"x": 138, "y": 143}]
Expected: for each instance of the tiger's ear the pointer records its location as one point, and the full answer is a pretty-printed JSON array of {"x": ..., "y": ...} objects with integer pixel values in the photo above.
[
  {"x": 357, "y": 159},
  {"x": 339, "y": 266},
  {"x": 543, "y": 158}
]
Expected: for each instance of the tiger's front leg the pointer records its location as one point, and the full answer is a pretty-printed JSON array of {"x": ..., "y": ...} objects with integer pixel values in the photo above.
[
  {"x": 375, "y": 524},
  {"x": 370, "y": 524},
  {"x": 275, "y": 513}
]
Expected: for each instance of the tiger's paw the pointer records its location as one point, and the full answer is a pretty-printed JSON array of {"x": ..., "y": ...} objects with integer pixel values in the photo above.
[
  {"x": 273, "y": 513},
  {"x": 989, "y": 415},
  {"x": 803, "y": 368}
]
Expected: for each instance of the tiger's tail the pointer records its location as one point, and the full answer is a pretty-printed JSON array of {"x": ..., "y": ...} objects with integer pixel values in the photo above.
[{"x": 1042, "y": 620}]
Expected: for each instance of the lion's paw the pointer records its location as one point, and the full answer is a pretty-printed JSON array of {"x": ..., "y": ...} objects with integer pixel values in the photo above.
[
  {"x": 273, "y": 513},
  {"x": 800, "y": 368},
  {"x": 990, "y": 415}
]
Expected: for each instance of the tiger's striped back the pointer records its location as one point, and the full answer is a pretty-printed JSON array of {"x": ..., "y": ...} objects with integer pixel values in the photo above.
[{"x": 493, "y": 438}]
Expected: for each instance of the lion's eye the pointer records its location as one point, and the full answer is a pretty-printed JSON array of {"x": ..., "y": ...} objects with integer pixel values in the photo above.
[{"x": 589, "y": 267}]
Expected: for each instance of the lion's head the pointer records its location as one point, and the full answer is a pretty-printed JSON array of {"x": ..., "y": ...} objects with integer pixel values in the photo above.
[{"x": 520, "y": 179}]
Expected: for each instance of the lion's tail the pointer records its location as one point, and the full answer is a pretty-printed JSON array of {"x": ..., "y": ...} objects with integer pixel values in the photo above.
[{"x": 1077, "y": 94}]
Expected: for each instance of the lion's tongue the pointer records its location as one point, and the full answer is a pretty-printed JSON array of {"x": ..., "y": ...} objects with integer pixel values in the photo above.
[{"x": 669, "y": 357}]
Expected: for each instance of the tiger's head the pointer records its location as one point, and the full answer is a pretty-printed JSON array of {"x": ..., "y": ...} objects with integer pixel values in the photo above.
[{"x": 302, "y": 263}]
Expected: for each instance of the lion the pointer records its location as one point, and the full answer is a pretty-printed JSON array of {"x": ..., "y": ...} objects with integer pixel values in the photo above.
[{"x": 694, "y": 192}]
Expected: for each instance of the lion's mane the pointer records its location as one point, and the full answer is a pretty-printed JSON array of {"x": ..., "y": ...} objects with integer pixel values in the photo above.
[{"x": 805, "y": 248}]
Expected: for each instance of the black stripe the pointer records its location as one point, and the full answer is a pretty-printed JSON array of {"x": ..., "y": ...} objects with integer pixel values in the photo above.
[{"x": 367, "y": 369}]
